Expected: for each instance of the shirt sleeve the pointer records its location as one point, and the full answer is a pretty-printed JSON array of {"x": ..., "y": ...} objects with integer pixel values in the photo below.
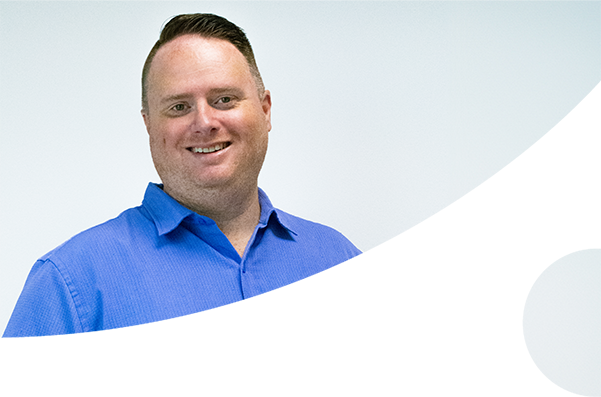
[{"x": 45, "y": 306}]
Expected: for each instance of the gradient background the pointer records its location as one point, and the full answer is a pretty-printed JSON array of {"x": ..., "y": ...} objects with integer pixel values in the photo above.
[{"x": 384, "y": 113}]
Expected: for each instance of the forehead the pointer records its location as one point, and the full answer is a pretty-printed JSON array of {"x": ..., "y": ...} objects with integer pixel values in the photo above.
[{"x": 193, "y": 56}]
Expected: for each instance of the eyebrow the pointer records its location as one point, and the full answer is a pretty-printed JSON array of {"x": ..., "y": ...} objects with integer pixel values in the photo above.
[
  {"x": 175, "y": 98},
  {"x": 226, "y": 90}
]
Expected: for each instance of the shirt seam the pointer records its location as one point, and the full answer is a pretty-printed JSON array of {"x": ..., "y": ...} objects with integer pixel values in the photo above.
[{"x": 71, "y": 293}]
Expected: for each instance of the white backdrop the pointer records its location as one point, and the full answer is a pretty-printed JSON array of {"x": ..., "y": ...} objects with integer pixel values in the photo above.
[{"x": 384, "y": 113}]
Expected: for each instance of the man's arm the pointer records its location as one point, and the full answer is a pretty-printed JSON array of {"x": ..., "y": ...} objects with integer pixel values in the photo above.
[{"x": 45, "y": 306}]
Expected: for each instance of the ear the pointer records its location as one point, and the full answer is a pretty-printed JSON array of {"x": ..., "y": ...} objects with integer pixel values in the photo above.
[
  {"x": 266, "y": 105},
  {"x": 145, "y": 118}
]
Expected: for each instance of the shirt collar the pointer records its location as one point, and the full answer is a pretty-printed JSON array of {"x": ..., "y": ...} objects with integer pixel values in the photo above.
[
  {"x": 270, "y": 213},
  {"x": 167, "y": 213}
]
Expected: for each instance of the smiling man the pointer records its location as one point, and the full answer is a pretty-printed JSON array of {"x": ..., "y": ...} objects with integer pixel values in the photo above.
[
  {"x": 208, "y": 122},
  {"x": 206, "y": 237}
]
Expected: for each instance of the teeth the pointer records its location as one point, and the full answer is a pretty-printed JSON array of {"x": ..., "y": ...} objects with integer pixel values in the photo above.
[{"x": 209, "y": 149}]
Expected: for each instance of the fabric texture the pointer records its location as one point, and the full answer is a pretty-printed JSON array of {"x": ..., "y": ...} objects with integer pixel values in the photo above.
[{"x": 161, "y": 260}]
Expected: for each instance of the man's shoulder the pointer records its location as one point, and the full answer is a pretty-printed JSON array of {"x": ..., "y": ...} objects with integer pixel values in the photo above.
[
  {"x": 305, "y": 229},
  {"x": 304, "y": 224},
  {"x": 113, "y": 232}
]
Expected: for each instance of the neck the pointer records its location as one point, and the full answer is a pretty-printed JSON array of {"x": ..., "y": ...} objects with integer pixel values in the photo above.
[{"x": 236, "y": 212}]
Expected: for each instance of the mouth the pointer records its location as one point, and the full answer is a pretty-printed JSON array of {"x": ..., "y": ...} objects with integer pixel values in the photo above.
[{"x": 209, "y": 149}]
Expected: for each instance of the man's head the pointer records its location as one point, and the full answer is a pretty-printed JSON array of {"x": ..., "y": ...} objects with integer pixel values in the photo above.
[
  {"x": 208, "y": 26},
  {"x": 206, "y": 116}
]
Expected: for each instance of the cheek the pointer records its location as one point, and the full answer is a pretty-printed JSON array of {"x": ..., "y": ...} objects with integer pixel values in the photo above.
[
  {"x": 252, "y": 126},
  {"x": 159, "y": 145},
  {"x": 156, "y": 140},
  {"x": 163, "y": 134}
]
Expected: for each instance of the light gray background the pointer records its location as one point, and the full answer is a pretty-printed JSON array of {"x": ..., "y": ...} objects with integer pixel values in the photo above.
[{"x": 383, "y": 113}]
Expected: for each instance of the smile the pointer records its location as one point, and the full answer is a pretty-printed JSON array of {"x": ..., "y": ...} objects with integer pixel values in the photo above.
[{"x": 210, "y": 149}]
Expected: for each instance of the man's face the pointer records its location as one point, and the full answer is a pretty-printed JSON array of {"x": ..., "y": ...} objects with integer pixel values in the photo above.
[{"x": 207, "y": 124}]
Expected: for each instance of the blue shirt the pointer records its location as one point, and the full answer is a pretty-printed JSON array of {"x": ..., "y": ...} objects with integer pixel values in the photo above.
[{"x": 161, "y": 260}]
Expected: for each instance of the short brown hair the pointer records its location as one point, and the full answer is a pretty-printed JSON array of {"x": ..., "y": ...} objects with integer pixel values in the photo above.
[{"x": 208, "y": 26}]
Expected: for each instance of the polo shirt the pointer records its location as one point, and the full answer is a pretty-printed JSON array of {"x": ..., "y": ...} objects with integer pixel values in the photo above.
[{"x": 161, "y": 260}]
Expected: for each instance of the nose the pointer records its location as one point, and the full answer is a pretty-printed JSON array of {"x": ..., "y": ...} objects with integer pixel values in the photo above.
[{"x": 205, "y": 119}]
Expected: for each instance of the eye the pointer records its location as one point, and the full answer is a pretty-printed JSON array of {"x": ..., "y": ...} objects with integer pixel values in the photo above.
[
  {"x": 177, "y": 110},
  {"x": 226, "y": 102}
]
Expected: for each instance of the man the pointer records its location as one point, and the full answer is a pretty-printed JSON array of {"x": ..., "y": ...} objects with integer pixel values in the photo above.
[{"x": 207, "y": 236}]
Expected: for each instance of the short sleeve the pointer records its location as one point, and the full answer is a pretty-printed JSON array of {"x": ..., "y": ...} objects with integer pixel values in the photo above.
[{"x": 45, "y": 306}]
